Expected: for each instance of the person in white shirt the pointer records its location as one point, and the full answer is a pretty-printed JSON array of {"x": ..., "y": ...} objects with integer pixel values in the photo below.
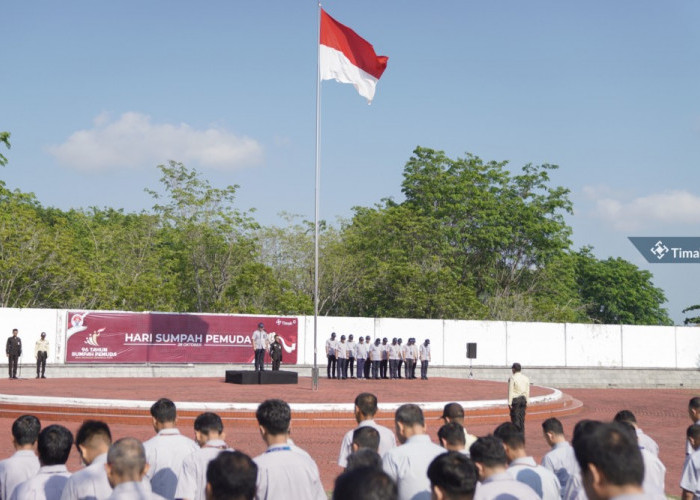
[
  {"x": 384, "y": 365},
  {"x": 330, "y": 354},
  {"x": 690, "y": 475},
  {"x": 375, "y": 357},
  {"x": 489, "y": 457},
  {"x": 560, "y": 459},
  {"x": 518, "y": 396},
  {"x": 209, "y": 435},
  {"x": 645, "y": 441},
  {"x": 408, "y": 463},
  {"x": 92, "y": 440},
  {"x": 425, "y": 357},
  {"x": 452, "y": 476},
  {"x": 166, "y": 451},
  {"x": 611, "y": 462},
  {"x": 365, "y": 410},
  {"x": 451, "y": 437},
  {"x": 654, "y": 470},
  {"x": 410, "y": 356},
  {"x": 53, "y": 446},
  {"x": 231, "y": 474},
  {"x": 261, "y": 343},
  {"x": 126, "y": 470},
  {"x": 341, "y": 355},
  {"x": 394, "y": 356},
  {"x": 523, "y": 467},
  {"x": 285, "y": 471},
  {"x": 368, "y": 363},
  {"x": 402, "y": 353},
  {"x": 454, "y": 412},
  {"x": 24, "y": 463},
  {"x": 352, "y": 354},
  {"x": 361, "y": 352}
]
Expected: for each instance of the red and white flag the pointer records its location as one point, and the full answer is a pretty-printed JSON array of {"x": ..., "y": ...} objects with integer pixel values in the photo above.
[{"x": 346, "y": 57}]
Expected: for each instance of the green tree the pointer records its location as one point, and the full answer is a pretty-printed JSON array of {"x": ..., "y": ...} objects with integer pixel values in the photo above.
[
  {"x": 693, "y": 320},
  {"x": 4, "y": 139}
]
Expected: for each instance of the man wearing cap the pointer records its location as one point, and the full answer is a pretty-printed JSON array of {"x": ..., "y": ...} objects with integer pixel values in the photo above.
[
  {"x": 518, "y": 396},
  {"x": 375, "y": 356},
  {"x": 352, "y": 354},
  {"x": 424, "y": 354},
  {"x": 260, "y": 345},
  {"x": 410, "y": 356},
  {"x": 454, "y": 412},
  {"x": 330, "y": 354},
  {"x": 341, "y": 355},
  {"x": 361, "y": 355},
  {"x": 41, "y": 352}
]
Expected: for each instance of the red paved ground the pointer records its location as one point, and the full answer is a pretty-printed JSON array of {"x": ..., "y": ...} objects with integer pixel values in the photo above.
[{"x": 660, "y": 412}]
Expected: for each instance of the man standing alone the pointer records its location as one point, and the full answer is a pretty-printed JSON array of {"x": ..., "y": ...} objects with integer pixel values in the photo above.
[
  {"x": 424, "y": 359},
  {"x": 41, "y": 352},
  {"x": 260, "y": 344},
  {"x": 13, "y": 350},
  {"x": 518, "y": 396}
]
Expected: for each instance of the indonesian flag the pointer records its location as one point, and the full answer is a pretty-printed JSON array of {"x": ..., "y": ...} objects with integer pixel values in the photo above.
[{"x": 347, "y": 58}]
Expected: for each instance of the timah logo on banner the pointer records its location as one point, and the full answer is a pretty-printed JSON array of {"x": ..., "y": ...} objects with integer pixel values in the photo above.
[{"x": 668, "y": 250}]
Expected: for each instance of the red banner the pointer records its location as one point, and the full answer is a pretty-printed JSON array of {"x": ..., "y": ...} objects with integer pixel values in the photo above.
[{"x": 110, "y": 337}]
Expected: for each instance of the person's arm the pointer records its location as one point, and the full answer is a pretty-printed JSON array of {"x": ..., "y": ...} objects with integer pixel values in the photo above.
[
  {"x": 510, "y": 392},
  {"x": 687, "y": 495}
]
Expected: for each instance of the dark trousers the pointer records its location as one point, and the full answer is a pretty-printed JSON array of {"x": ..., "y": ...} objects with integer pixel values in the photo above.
[
  {"x": 383, "y": 368},
  {"x": 276, "y": 364},
  {"x": 398, "y": 369},
  {"x": 41, "y": 363},
  {"x": 410, "y": 368},
  {"x": 368, "y": 367},
  {"x": 517, "y": 412},
  {"x": 393, "y": 366},
  {"x": 12, "y": 361},
  {"x": 330, "y": 369},
  {"x": 342, "y": 368},
  {"x": 375, "y": 369},
  {"x": 424, "y": 370},
  {"x": 259, "y": 359},
  {"x": 351, "y": 366},
  {"x": 360, "y": 367}
]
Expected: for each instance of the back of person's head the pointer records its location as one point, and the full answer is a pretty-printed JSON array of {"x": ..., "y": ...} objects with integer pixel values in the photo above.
[
  {"x": 625, "y": 416},
  {"x": 553, "y": 425},
  {"x": 409, "y": 415},
  {"x": 453, "y": 411},
  {"x": 127, "y": 459},
  {"x": 232, "y": 475},
  {"x": 489, "y": 451},
  {"x": 364, "y": 457},
  {"x": 25, "y": 430},
  {"x": 513, "y": 437},
  {"x": 452, "y": 433},
  {"x": 610, "y": 448},
  {"x": 693, "y": 431},
  {"x": 694, "y": 403},
  {"x": 164, "y": 411},
  {"x": 275, "y": 416},
  {"x": 54, "y": 445},
  {"x": 366, "y": 403},
  {"x": 366, "y": 437},
  {"x": 454, "y": 474},
  {"x": 93, "y": 434},
  {"x": 365, "y": 483},
  {"x": 208, "y": 422},
  {"x": 516, "y": 367}
]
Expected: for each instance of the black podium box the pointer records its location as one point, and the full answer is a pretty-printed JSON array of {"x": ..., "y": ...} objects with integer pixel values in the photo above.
[
  {"x": 244, "y": 377},
  {"x": 278, "y": 377}
]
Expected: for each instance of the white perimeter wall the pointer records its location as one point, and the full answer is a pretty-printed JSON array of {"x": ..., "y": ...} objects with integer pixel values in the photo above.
[{"x": 499, "y": 343}]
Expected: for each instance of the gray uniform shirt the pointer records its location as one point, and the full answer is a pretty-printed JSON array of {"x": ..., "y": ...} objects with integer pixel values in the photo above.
[
  {"x": 287, "y": 472},
  {"x": 408, "y": 466},
  {"x": 134, "y": 491},
  {"x": 193, "y": 476},
  {"x": 562, "y": 461},
  {"x": 90, "y": 483},
  {"x": 165, "y": 453},
  {"x": 48, "y": 484},
  {"x": 540, "y": 479},
  {"x": 503, "y": 486},
  {"x": 387, "y": 441},
  {"x": 22, "y": 465}
]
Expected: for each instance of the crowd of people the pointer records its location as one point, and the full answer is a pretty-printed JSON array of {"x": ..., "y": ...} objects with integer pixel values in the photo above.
[
  {"x": 605, "y": 460},
  {"x": 376, "y": 360}
]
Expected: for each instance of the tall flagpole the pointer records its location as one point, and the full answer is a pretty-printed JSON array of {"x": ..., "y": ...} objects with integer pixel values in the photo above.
[{"x": 314, "y": 371}]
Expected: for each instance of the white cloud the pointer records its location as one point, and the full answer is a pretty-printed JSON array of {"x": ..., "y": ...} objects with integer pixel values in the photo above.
[
  {"x": 133, "y": 141},
  {"x": 672, "y": 207}
]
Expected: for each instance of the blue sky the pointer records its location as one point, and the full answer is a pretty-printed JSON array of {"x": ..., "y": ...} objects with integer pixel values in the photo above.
[{"x": 96, "y": 94}]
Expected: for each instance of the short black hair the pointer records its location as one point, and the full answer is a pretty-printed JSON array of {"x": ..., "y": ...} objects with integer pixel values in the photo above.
[
  {"x": 693, "y": 431},
  {"x": 207, "y": 422},
  {"x": 488, "y": 450},
  {"x": 367, "y": 404},
  {"x": 93, "y": 429},
  {"x": 610, "y": 448},
  {"x": 232, "y": 475},
  {"x": 274, "y": 415},
  {"x": 516, "y": 367},
  {"x": 553, "y": 425},
  {"x": 452, "y": 433},
  {"x": 694, "y": 403},
  {"x": 54, "y": 444},
  {"x": 454, "y": 473},
  {"x": 364, "y": 457},
  {"x": 25, "y": 429},
  {"x": 409, "y": 414},
  {"x": 511, "y": 435},
  {"x": 365, "y": 483},
  {"x": 625, "y": 416},
  {"x": 366, "y": 437},
  {"x": 164, "y": 410}
]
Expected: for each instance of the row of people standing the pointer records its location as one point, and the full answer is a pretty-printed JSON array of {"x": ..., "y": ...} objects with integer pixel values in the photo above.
[{"x": 376, "y": 360}]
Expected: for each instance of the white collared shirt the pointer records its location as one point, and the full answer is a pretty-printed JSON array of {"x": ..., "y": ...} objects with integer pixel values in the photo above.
[{"x": 165, "y": 453}]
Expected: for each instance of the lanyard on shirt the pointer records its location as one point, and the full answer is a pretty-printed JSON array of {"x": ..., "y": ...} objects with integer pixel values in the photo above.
[{"x": 278, "y": 448}]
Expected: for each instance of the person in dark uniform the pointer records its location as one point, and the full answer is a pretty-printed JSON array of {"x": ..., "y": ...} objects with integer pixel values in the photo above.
[
  {"x": 13, "y": 350},
  {"x": 276, "y": 353}
]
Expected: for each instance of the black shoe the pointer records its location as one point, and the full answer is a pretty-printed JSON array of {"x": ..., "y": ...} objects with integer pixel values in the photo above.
[{"x": 43, "y": 376}]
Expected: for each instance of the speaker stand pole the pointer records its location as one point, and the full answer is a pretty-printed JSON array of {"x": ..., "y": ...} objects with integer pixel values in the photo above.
[{"x": 471, "y": 375}]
